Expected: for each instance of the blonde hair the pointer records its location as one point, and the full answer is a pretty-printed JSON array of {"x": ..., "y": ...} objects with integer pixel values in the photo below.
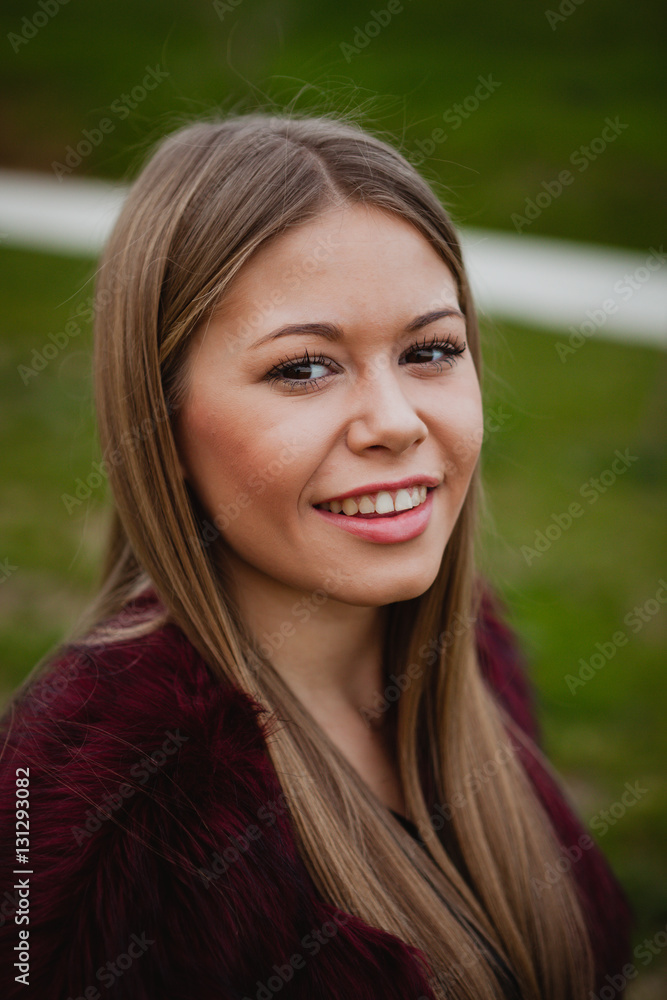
[{"x": 209, "y": 195}]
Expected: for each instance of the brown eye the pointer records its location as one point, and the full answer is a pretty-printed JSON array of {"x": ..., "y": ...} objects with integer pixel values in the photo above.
[
  {"x": 448, "y": 349},
  {"x": 282, "y": 372}
]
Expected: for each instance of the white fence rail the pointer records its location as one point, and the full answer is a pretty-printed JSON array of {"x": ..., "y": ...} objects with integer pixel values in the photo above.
[{"x": 549, "y": 283}]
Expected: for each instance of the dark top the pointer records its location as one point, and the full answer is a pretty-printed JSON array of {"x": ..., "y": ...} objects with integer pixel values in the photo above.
[
  {"x": 409, "y": 826},
  {"x": 510, "y": 985}
]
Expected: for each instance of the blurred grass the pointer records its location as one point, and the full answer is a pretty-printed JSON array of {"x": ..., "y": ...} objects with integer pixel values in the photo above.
[
  {"x": 557, "y": 87},
  {"x": 560, "y": 425},
  {"x": 565, "y": 424}
]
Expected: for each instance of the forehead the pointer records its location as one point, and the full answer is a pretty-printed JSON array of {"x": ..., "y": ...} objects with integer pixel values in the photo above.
[{"x": 355, "y": 256}]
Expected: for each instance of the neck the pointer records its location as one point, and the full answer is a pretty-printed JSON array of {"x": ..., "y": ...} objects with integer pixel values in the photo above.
[{"x": 329, "y": 653}]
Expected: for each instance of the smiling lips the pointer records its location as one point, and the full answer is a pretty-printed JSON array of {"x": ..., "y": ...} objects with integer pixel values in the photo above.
[
  {"x": 384, "y": 503},
  {"x": 382, "y": 528}
]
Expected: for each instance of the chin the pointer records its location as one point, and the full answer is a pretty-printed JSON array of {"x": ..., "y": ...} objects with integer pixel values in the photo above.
[{"x": 376, "y": 592}]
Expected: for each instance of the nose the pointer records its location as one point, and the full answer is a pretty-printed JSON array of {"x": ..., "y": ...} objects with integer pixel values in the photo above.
[{"x": 383, "y": 413}]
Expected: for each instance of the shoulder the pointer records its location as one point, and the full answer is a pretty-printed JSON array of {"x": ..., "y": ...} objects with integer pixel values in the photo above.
[
  {"x": 148, "y": 784},
  {"x": 101, "y": 706},
  {"x": 124, "y": 684},
  {"x": 135, "y": 708}
]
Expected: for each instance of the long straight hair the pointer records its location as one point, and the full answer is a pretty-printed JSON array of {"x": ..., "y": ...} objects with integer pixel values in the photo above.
[{"x": 208, "y": 196}]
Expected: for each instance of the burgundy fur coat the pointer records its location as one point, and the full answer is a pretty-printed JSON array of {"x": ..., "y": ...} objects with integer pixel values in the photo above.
[{"x": 160, "y": 860}]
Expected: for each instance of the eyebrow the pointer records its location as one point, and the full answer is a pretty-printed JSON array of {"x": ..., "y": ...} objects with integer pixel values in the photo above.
[{"x": 334, "y": 333}]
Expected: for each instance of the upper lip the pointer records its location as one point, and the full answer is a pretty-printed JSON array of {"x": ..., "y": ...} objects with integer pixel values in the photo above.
[{"x": 397, "y": 484}]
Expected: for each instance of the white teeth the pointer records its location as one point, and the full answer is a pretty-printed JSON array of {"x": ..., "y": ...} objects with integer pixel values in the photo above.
[
  {"x": 403, "y": 500},
  {"x": 385, "y": 502}
]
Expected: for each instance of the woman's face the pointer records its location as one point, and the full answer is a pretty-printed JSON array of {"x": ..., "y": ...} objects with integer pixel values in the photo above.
[{"x": 376, "y": 402}]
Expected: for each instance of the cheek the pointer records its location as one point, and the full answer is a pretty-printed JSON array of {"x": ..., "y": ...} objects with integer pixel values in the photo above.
[
  {"x": 238, "y": 464},
  {"x": 461, "y": 431},
  {"x": 212, "y": 446}
]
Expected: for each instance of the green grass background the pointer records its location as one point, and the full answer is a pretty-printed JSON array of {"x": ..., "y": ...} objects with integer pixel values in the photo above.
[{"x": 563, "y": 421}]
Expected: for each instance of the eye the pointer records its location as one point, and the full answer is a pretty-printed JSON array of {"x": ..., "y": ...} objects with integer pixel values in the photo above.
[
  {"x": 449, "y": 349},
  {"x": 277, "y": 373}
]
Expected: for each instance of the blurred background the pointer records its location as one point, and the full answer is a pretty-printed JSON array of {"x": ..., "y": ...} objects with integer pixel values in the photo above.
[{"x": 498, "y": 105}]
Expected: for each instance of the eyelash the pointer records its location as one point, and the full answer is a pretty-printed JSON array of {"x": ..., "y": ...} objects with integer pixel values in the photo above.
[{"x": 453, "y": 351}]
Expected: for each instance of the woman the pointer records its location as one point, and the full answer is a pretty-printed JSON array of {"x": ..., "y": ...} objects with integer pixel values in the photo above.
[{"x": 291, "y": 748}]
